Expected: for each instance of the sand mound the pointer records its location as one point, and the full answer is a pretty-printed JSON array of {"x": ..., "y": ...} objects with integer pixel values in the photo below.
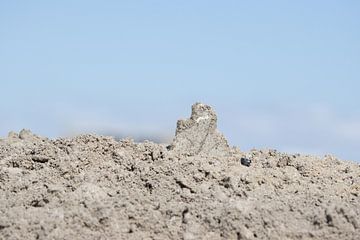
[{"x": 94, "y": 187}]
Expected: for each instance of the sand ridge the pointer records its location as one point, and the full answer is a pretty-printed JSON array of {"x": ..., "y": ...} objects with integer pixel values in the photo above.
[{"x": 94, "y": 187}]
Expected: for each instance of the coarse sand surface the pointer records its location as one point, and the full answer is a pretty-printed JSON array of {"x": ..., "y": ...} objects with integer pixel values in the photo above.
[{"x": 198, "y": 187}]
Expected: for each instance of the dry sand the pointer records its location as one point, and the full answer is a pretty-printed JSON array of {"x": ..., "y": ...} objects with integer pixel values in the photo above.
[{"x": 94, "y": 187}]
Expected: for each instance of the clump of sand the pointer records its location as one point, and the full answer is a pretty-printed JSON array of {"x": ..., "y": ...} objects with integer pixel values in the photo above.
[{"x": 94, "y": 187}]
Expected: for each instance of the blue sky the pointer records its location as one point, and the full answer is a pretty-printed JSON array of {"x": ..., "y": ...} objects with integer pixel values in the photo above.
[{"x": 281, "y": 74}]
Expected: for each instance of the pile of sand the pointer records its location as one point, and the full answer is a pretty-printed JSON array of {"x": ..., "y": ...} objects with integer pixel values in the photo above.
[{"x": 94, "y": 187}]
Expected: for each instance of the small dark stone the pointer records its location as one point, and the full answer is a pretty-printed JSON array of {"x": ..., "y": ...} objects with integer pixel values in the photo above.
[
  {"x": 245, "y": 161},
  {"x": 40, "y": 158}
]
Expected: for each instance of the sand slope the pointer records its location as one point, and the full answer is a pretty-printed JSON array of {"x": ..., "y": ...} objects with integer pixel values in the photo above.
[{"x": 93, "y": 187}]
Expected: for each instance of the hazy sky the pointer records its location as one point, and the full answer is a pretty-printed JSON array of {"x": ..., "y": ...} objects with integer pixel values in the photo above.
[{"x": 280, "y": 74}]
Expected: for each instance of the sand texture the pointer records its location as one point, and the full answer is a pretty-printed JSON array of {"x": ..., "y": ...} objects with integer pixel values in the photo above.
[{"x": 94, "y": 187}]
